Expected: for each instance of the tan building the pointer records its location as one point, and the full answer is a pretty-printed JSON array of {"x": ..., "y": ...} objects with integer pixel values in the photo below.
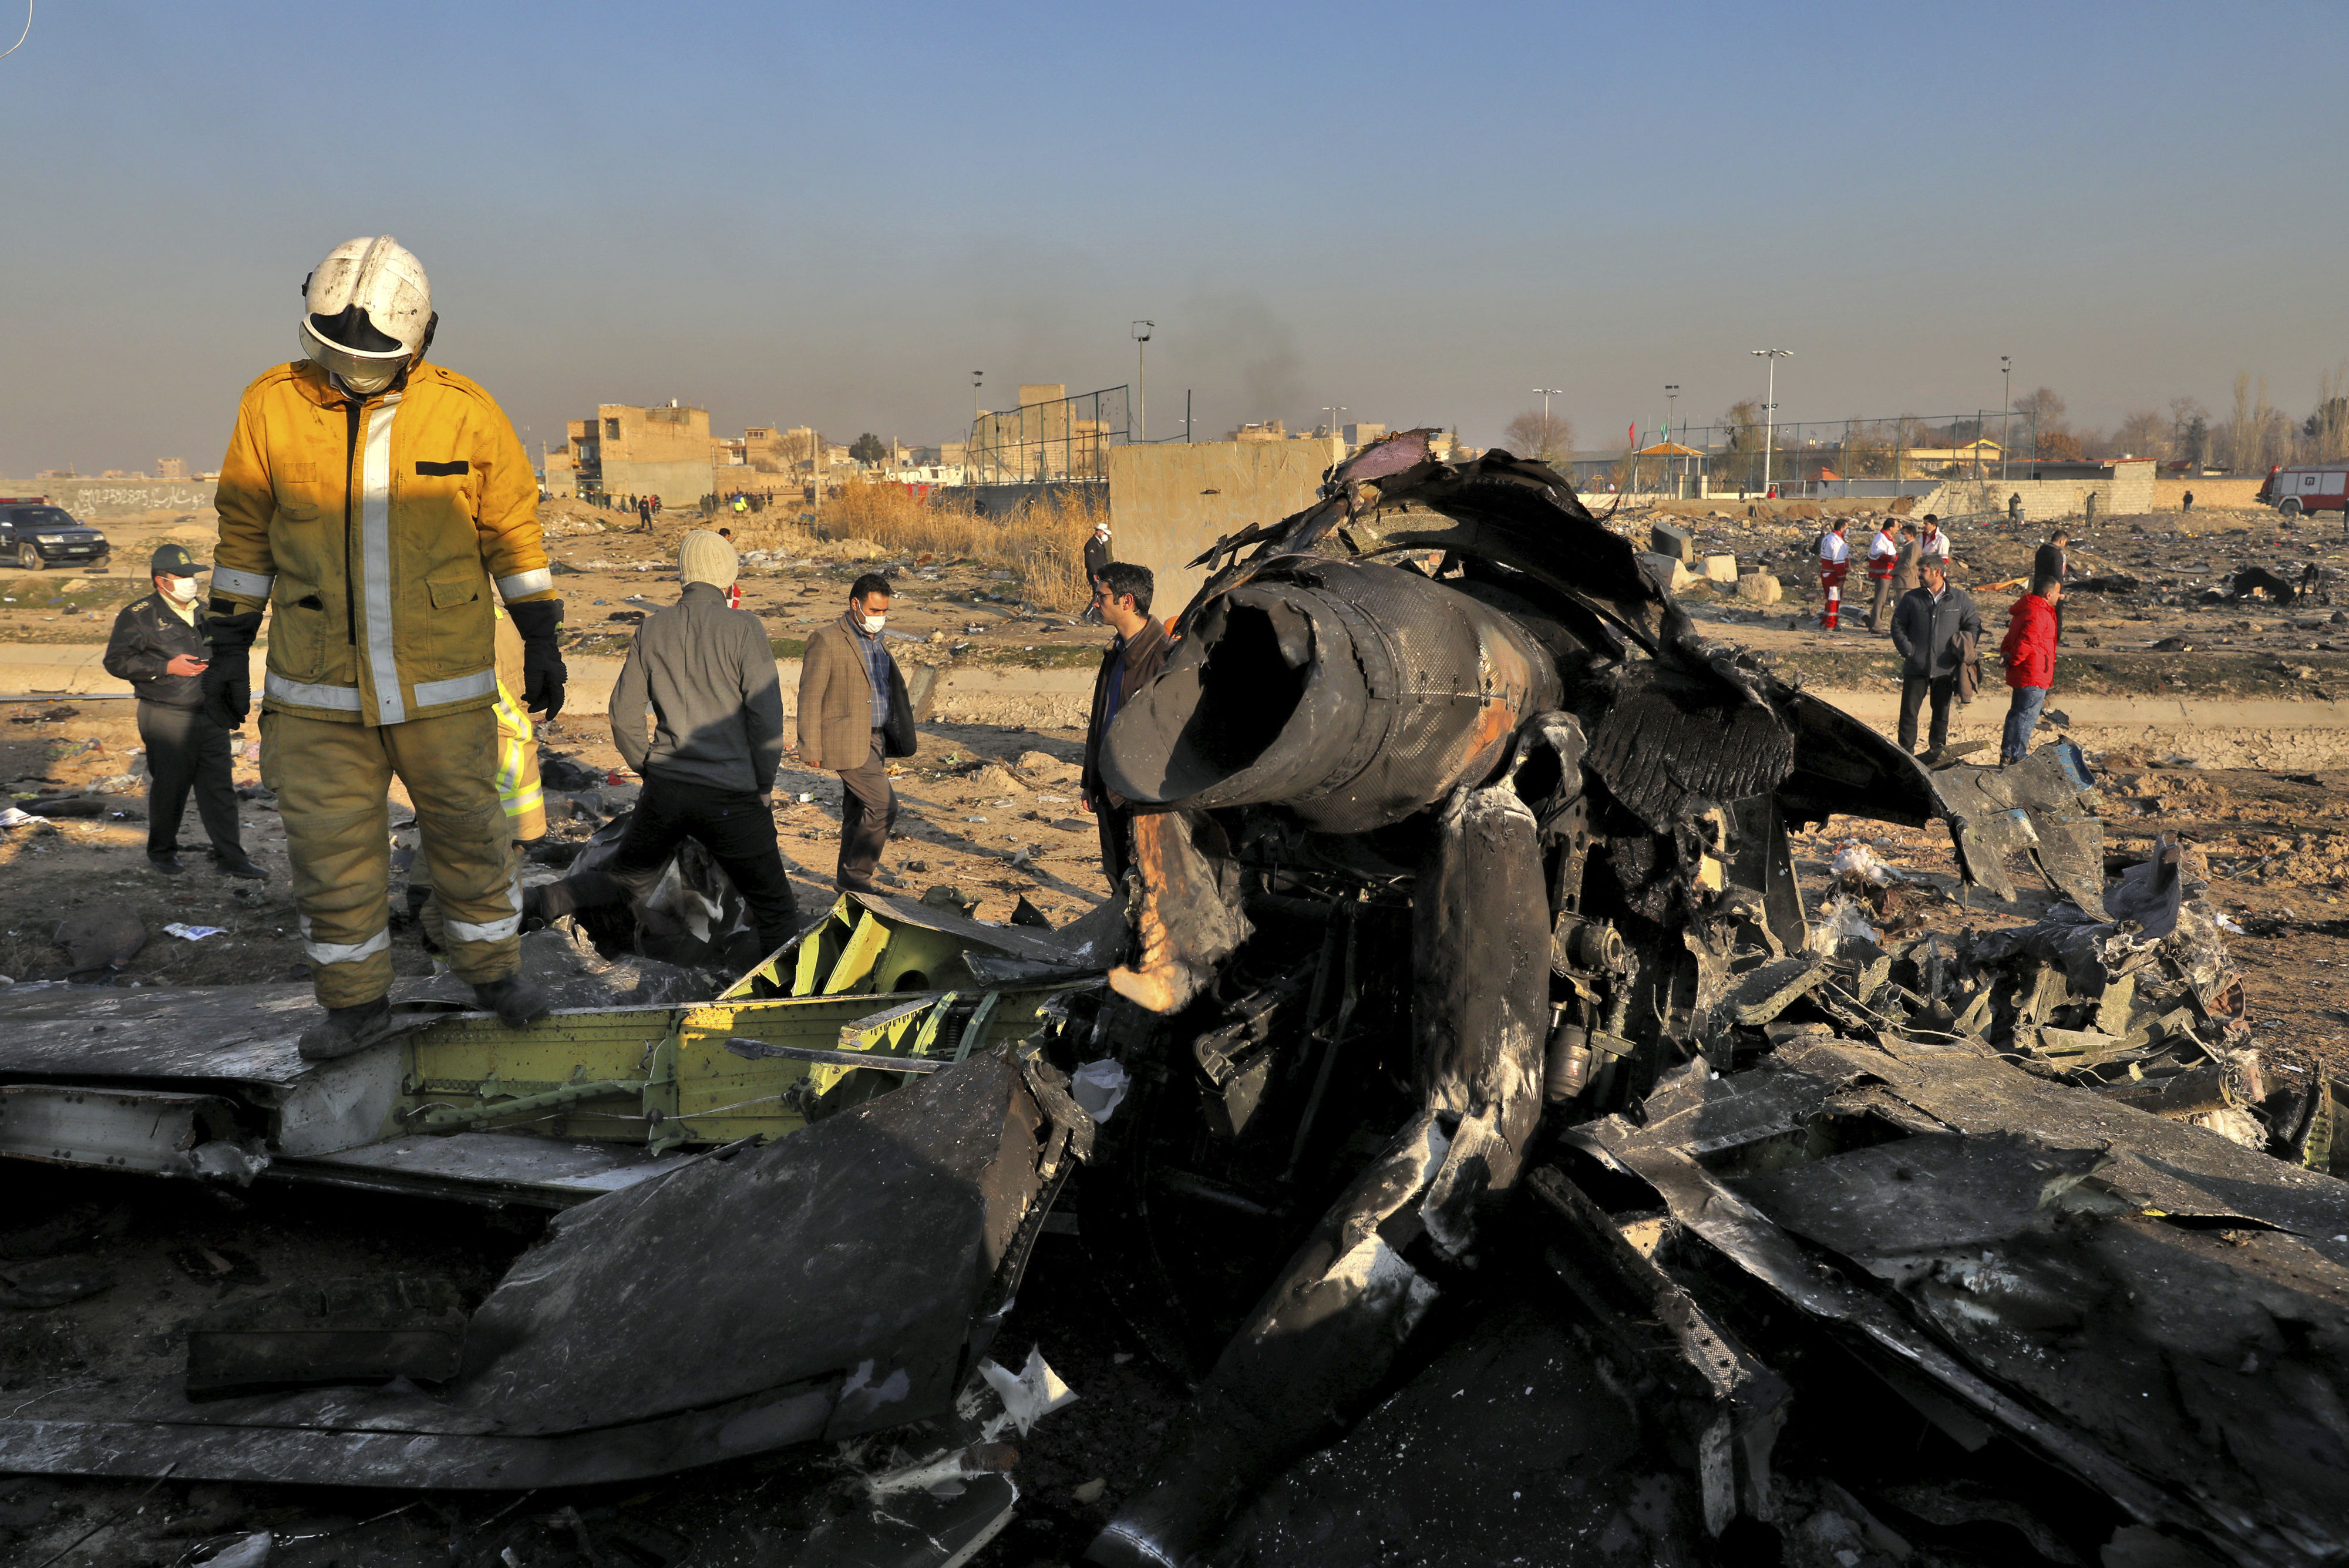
[
  {"x": 630, "y": 451},
  {"x": 1975, "y": 455},
  {"x": 1041, "y": 439},
  {"x": 171, "y": 468}
]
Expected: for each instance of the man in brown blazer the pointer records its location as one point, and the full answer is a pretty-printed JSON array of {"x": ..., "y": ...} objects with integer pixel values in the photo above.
[
  {"x": 851, "y": 695},
  {"x": 1121, "y": 593}
]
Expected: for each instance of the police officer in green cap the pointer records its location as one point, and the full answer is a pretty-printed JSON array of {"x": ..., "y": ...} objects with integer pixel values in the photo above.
[{"x": 159, "y": 647}]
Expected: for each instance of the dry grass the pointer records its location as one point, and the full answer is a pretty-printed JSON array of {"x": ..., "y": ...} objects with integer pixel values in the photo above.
[{"x": 1043, "y": 545}]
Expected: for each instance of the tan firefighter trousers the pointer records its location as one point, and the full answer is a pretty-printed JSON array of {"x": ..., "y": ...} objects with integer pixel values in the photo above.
[{"x": 332, "y": 781}]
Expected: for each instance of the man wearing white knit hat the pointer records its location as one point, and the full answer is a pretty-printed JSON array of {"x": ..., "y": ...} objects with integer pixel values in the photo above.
[{"x": 706, "y": 675}]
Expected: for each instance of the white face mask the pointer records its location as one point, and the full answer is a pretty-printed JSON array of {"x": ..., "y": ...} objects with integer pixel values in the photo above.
[
  {"x": 182, "y": 590},
  {"x": 872, "y": 624}
]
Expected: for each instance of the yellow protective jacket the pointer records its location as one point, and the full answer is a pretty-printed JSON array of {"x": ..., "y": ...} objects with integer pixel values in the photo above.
[
  {"x": 376, "y": 530},
  {"x": 519, "y": 790}
]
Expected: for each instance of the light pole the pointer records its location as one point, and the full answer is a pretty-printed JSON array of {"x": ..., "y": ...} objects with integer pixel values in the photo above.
[
  {"x": 1672, "y": 419},
  {"x": 977, "y": 412},
  {"x": 1333, "y": 411},
  {"x": 1770, "y": 409},
  {"x": 1141, "y": 330},
  {"x": 2005, "y": 400},
  {"x": 1546, "y": 394}
]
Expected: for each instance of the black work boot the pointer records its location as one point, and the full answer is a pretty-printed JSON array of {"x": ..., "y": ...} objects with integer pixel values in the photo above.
[
  {"x": 167, "y": 862},
  {"x": 517, "y": 1002},
  {"x": 236, "y": 862},
  {"x": 345, "y": 1030}
]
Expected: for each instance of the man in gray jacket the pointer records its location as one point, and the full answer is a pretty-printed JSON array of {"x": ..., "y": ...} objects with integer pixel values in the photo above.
[
  {"x": 707, "y": 674},
  {"x": 1935, "y": 627}
]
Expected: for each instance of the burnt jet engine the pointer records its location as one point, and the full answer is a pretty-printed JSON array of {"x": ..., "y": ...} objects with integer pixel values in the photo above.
[{"x": 1440, "y": 738}]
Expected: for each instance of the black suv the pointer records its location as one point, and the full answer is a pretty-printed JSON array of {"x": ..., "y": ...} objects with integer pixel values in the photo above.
[{"x": 32, "y": 536}]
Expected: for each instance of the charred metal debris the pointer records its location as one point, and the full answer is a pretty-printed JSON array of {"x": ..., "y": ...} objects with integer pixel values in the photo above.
[{"x": 1461, "y": 1077}]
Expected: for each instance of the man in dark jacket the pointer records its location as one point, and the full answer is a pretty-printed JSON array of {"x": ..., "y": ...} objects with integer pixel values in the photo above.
[
  {"x": 1141, "y": 649},
  {"x": 707, "y": 676},
  {"x": 1934, "y": 626},
  {"x": 2054, "y": 559},
  {"x": 158, "y": 646}
]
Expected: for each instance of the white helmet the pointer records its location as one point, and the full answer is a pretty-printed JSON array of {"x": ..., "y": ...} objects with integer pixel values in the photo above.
[{"x": 367, "y": 313}]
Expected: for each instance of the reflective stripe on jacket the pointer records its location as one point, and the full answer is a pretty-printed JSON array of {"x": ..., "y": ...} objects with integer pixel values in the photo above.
[
  {"x": 377, "y": 531},
  {"x": 518, "y": 786}
]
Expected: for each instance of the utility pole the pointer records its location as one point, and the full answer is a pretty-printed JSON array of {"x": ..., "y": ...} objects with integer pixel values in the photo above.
[
  {"x": 1770, "y": 409},
  {"x": 1671, "y": 405},
  {"x": 970, "y": 448},
  {"x": 1141, "y": 330},
  {"x": 2005, "y": 401},
  {"x": 1333, "y": 411},
  {"x": 1546, "y": 394}
]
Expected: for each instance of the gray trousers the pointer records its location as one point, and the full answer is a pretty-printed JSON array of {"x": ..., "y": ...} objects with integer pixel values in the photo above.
[
  {"x": 868, "y": 810},
  {"x": 1875, "y": 621},
  {"x": 186, "y": 751}
]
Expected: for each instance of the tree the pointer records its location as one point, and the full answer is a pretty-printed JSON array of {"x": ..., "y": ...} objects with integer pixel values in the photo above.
[
  {"x": 2257, "y": 436},
  {"x": 2042, "y": 414},
  {"x": 2143, "y": 434},
  {"x": 1545, "y": 437},
  {"x": 2324, "y": 434},
  {"x": 869, "y": 448},
  {"x": 1740, "y": 465},
  {"x": 2190, "y": 431}
]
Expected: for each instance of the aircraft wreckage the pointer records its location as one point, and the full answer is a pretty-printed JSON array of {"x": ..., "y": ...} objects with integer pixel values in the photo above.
[{"x": 1475, "y": 1041}]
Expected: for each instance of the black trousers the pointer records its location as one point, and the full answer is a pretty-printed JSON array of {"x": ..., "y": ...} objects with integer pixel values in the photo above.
[
  {"x": 1116, "y": 825},
  {"x": 733, "y": 825},
  {"x": 1914, "y": 690},
  {"x": 187, "y": 751}
]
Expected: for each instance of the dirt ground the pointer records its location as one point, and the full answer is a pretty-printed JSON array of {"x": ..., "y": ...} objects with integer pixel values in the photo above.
[{"x": 994, "y": 811}]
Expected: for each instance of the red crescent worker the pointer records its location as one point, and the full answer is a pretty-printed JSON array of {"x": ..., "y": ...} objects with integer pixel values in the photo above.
[{"x": 1835, "y": 564}]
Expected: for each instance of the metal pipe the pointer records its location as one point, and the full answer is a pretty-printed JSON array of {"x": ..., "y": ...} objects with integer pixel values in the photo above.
[
  {"x": 449, "y": 1118},
  {"x": 742, "y": 1046}
]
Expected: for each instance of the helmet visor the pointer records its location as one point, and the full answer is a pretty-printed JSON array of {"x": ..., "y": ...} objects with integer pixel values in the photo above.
[{"x": 351, "y": 346}]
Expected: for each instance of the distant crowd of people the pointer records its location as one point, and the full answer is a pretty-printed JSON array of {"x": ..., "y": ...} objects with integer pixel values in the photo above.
[{"x": 1939, "y": 632}]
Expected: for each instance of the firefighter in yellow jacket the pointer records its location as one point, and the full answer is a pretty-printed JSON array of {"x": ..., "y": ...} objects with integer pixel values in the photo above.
[{"x": 374, "y": 504}]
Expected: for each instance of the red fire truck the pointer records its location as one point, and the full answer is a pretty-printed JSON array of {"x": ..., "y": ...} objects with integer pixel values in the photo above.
[{"x": 2315, "y": 488}]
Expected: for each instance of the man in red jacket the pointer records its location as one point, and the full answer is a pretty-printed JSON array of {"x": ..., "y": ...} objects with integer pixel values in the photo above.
[{"x": 2030, "y": 650}]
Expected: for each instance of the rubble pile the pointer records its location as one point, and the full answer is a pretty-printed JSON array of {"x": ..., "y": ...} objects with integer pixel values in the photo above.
[{"x": 2143, "y": 1007}]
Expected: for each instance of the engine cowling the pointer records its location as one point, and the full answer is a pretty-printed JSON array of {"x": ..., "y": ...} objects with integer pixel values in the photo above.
[{"x": 1351, "y": 693}]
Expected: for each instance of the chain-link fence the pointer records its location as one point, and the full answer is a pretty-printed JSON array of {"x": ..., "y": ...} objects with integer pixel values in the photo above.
[
  {"x": 1066, "y": 439},
  {"x": 1908, "y": 454}
]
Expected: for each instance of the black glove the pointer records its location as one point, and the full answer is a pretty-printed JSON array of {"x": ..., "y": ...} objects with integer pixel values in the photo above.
[
  {"x": 540, "y": 621},
  {"x": 228, "y": 680}
]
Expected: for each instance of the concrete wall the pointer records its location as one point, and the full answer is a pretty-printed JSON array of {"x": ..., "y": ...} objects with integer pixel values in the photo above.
[
  {"x": 2210, "y": 490},
  {"x": 1003, "y": 500},
  {"x": 2128, "y": 493},
  {"x": 1169, "y": 501},
  {"x": 677, "y": 484},
  {"x": 88, "y": 498}
]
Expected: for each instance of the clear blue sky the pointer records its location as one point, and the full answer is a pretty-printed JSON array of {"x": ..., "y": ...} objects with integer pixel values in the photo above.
[{"x": 836, "y": 213}]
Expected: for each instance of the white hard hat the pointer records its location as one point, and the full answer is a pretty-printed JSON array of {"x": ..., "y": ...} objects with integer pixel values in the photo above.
[{"x": 367, "y": 312}]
